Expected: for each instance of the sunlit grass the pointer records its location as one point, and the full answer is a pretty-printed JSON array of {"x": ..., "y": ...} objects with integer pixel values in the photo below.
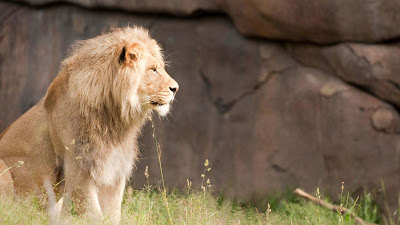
[
  {"x": 197, "y": 205},
  {"x": 148, "y": 206}
]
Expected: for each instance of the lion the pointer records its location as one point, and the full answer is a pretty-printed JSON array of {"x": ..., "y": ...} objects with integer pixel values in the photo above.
[{"x": 79, "y": 142}]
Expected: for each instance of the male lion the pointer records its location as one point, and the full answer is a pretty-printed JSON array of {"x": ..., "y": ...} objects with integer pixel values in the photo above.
[{"x": 85, "y": 128}]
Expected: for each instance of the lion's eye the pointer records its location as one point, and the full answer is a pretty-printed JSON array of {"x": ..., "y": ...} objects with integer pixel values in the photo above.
[{"x": 154, "y": 70}]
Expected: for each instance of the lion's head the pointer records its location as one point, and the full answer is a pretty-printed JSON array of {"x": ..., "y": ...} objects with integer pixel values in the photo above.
[
  {"x": 123, "y": 71},
  {"x": 155, "y": 88}
]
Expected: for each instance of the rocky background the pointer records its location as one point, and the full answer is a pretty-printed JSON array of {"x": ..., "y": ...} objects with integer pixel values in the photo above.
[{"x": 276, "y": 94}]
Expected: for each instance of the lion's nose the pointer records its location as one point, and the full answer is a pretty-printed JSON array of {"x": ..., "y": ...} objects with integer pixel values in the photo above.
[{"x": 174, "y": 88}]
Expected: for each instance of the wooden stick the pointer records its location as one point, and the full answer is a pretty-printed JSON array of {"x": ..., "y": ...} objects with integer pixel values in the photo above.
[{"x": 332, "y": 207}]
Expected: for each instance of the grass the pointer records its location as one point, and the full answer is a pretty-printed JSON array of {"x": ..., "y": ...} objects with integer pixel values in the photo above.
[
  {"x": 148, "y": 206},
  {"x": 156, "y": 205}
]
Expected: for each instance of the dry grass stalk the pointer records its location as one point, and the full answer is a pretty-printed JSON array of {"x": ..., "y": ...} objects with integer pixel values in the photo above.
[{"x": 332, "y": 207}]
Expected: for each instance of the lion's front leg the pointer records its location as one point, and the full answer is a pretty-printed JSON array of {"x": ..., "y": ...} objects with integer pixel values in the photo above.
[
  {"x": 110, "y": 198},
  {"x": 81, "y": 193}
]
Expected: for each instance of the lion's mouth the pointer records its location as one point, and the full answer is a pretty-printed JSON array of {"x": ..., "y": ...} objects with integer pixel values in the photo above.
[
  {"x": 161, "y": 107},
  {"x": 156, "y": 103}
]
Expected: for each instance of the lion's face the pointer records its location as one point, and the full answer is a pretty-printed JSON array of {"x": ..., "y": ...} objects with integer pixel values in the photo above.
[{"x": 155, "y": 89}]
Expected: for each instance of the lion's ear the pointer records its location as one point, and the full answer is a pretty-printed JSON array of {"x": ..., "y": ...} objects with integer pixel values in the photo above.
[{"x": 130, "y": 54}]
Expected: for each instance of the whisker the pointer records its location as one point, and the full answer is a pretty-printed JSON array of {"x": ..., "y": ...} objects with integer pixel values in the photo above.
[{"x": 169, "y": 113}]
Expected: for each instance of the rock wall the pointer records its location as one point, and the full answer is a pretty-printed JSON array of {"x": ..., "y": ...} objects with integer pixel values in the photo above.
[
  {"x": 321, "y": 21},
  {"x": 267, "y": 114}
]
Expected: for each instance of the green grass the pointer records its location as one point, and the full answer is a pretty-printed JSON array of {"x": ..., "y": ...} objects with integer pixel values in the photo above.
[{"x": 148, "y": 206}]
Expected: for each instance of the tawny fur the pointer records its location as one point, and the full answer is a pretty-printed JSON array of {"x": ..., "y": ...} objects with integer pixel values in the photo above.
[{"x": 82, "y": 135}]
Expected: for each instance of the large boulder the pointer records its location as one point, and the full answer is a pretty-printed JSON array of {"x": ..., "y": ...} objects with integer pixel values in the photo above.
[
  {"x": 374, "y": 68},
  {"x": 321, "y": 21}
]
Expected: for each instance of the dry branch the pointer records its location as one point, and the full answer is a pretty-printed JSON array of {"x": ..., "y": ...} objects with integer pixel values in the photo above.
[{"x": 332, "y": 207}]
